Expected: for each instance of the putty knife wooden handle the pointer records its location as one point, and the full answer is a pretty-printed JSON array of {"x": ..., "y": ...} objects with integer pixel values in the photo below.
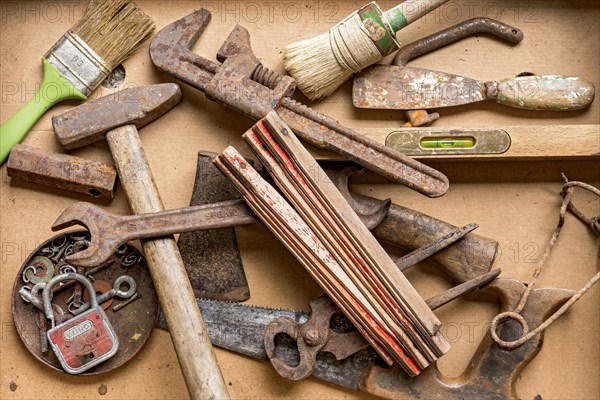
[
  {"x": 407, "y": 88},
  {"x": 548, "y": 92}
]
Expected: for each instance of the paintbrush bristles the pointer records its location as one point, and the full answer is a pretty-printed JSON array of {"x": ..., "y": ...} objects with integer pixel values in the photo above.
[
  {"x": 313, "y": 65},
  {"x": 114, "y": 29},
  {"x": 321, "y": 64}
]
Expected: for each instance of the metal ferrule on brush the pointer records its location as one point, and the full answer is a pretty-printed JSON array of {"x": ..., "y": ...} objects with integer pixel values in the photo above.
[
  {"x": 378, "y": 28},
  {"x": 78, "y": 63},
  {"x": 363, "y": 38}
]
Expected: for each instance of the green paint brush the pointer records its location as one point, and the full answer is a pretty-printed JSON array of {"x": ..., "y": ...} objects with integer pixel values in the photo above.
[
  {"x": 108, "y": 33},
  {"x": 322, "y": 63}
]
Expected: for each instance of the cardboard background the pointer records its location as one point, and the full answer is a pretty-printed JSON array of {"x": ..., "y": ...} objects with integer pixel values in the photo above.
[{"x": 515, "y": 203}]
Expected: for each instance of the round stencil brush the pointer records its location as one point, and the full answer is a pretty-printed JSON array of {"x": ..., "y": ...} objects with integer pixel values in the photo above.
[
  {"x": 108, "y": 32},
  {"x": 322, "y": 63}
]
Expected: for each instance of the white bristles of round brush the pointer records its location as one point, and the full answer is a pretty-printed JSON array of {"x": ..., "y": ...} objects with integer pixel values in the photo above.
[
  {"x": 322, "y": 63},
  {"x": 313, "y": 65}
]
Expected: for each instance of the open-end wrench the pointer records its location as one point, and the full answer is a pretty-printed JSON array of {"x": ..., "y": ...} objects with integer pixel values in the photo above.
[
  {"x": 243, "y": 84},
  {"x": 116, "y": 119},
  {"x": 109, "y": 231},
  {"x": 386, "y": 220}
]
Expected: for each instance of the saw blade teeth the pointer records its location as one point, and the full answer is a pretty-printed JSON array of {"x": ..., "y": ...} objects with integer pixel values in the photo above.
[
  {"x": 287, "y": 310},
  {"x": 245, "y": 305},
  {"x": 218, "y": 301},
  {"x": 277, "y": 309}
]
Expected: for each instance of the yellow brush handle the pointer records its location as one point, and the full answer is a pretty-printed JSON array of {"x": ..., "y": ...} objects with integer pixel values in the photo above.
[
  {"x": 549, "y": 92},
  {"x": 55, "y": 88}
]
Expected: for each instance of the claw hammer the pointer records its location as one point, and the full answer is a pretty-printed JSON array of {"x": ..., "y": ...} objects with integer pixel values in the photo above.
[{"x": 117, "y": 117}]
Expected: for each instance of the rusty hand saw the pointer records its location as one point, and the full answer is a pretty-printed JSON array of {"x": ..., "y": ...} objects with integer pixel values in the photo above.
[{"x": 492, "y": 371}]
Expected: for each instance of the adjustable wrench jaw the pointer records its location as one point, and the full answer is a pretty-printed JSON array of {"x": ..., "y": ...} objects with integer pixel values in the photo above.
[
  {"x": 238, "y": 43},
  {"x": 241, "y": 83},
  {"x": 170, "y": 50}
]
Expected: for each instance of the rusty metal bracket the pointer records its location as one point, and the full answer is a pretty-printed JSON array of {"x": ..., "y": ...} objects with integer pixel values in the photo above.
[
  {"x": 243, "y": 84},
  {"x": 62, "y": 171}
]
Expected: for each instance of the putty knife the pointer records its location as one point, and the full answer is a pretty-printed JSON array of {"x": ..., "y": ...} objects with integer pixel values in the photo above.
[
  {"x": 407, "y": 88},
  {"x": 398, "y": 87}
]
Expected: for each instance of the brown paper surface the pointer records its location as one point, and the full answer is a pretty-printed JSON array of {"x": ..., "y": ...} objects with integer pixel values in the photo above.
[{"x": 515, "y": 203}]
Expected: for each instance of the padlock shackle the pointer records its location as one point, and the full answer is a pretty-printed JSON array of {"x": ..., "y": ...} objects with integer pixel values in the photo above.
[{"x": 61, "y": 278}]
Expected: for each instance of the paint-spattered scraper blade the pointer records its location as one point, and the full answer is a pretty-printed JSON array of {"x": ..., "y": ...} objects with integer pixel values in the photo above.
[{"x": 407, "y": 88}]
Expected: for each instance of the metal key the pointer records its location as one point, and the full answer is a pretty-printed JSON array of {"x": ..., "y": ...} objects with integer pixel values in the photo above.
[
  {"x": 114, "y": 292},
  {"x": 110, "y": 231},
  {"x": 127, "y": 302}
]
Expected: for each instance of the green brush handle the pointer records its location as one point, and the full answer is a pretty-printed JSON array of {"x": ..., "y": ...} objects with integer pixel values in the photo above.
[
  {"x": 391, "y": 21},
  {"x": 410, "y": 11},
  {"x": 55, "y": 88}
]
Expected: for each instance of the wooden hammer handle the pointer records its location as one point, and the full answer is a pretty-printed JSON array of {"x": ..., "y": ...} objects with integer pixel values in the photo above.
[{"x": 189, "y": 335}]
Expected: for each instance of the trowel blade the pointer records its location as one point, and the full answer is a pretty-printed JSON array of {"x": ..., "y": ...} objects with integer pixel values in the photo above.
[{"x": 406, "y": 88}]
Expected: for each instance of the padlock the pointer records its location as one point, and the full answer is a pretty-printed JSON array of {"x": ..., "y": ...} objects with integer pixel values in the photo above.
[{"x": 85, "y": 340}]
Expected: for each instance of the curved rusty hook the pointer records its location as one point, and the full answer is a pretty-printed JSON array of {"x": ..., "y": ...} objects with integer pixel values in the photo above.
[{"x": 454, "y": 34}]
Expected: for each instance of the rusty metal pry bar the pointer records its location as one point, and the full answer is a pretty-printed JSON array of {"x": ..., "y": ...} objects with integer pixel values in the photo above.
[{"x": 242, "y": 83}]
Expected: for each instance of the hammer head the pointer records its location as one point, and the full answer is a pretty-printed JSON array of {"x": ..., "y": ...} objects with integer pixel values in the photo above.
[{"x": 89, "y": 122}]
